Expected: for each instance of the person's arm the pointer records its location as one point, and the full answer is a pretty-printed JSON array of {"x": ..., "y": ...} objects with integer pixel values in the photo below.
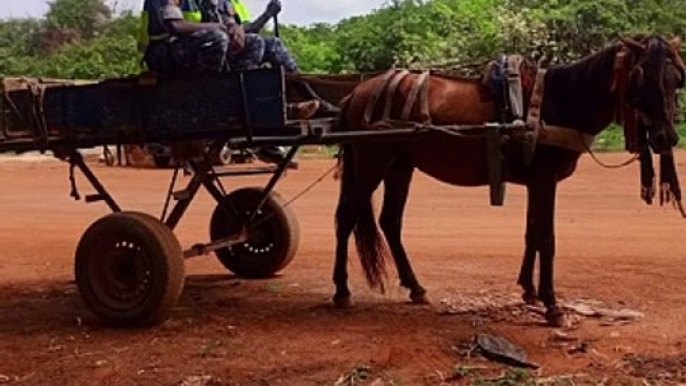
[
  {"x": 175, "y": 23},
  {"x": 273, "y": 9},
  {"x": 183, "y": 27}
]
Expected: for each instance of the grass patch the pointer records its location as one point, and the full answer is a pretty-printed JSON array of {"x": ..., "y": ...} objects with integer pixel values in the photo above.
[{"x": 318, "y": 152}]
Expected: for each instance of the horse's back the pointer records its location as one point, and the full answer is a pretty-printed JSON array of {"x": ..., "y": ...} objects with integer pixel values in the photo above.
[
  {"x": 457, "y": 161},
  {"x": 450, "y": 101}
]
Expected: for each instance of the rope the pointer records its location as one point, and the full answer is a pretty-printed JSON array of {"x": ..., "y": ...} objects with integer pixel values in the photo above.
[
  {"x": 626, "y": 163},
  {"x": 311, "y": 186},
  {"x": 299, "y": 195},
  {"x": 459, "y": 133}
]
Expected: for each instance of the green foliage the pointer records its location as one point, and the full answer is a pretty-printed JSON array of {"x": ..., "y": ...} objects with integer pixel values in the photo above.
[
  {"x": 83, "y": 38},
  {"x": 413, "y": 31},
  {"x": 610, "y": 139},
  {"x": 84, "y": 16},
  {"x": 59, "y": 47},
  {"x": 314, "y": 46}
]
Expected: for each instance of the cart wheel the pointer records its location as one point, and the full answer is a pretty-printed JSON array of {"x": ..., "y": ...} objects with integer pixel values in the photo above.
[
  {"x": 272, "y": 240},
  {"x": 129, "y": 269}
]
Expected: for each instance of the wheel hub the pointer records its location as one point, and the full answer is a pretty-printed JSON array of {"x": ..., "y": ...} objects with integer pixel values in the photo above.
[{"x": 124, "y": 276}]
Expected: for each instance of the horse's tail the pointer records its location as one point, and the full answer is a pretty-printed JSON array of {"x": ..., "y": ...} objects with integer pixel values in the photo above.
[{"x": 370, "y": 247}]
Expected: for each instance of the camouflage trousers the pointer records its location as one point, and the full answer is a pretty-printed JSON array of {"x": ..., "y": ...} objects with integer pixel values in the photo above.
[
  {"x": 208, "y": 51},
  {"x": 260, "y": 50},
  {"x": 201, "y": 51}
]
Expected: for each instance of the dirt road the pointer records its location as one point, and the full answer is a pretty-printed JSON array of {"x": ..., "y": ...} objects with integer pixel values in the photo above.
[{"x": 611, "y": 248}]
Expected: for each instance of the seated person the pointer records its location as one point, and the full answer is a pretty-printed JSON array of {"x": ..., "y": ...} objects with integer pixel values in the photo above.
[
  {"x": 261, "y": 49},
  {"x": 179, "y": 38},
  {"x": 258, "y": 49},
  {"x": 182, "y": 36}
]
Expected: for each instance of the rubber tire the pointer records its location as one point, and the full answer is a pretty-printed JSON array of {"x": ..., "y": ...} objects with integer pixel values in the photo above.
[
  {"x": 166, "y": 264},
  {"x": 282, "y": 230}
]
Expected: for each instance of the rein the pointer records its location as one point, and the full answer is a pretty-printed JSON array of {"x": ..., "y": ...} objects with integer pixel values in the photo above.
[{"x": 634, "y": 158}]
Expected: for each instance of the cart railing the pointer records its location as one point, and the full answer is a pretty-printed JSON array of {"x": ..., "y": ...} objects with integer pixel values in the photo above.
[{"x": 242, "y": 108}]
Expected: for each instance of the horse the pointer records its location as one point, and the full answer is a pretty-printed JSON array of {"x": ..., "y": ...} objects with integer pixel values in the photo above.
[{"x": 636, "y": 76}]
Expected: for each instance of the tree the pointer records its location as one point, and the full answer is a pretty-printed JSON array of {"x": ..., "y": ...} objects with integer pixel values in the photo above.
[{"x": 86, "y": 17}]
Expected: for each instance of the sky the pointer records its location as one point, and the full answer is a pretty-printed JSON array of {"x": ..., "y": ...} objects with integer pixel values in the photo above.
[{"x": 300, "y": 12}]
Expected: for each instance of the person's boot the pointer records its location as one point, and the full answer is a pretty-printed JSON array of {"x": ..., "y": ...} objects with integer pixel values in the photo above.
[
  {"x": 302, "y": 110},
  {"x": 326, "y": 109}
]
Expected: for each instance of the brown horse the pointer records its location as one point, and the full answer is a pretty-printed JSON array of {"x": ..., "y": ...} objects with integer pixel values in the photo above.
[{"x": 581, "y": 99}]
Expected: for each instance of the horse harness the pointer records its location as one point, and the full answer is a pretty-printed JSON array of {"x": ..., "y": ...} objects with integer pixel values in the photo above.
[{"x": 389, "y": 83}]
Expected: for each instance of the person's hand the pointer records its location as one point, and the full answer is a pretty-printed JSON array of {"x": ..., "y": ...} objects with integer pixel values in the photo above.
[
  {"x": 273, "y": 8},
  {"x": 237, "y": 35}
]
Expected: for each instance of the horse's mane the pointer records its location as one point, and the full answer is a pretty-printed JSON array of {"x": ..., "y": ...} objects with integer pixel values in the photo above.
[
  {"x": 456, "y": 77},
  {"x": 653, "y": 52},
  {"x": 590, "y": 62}
]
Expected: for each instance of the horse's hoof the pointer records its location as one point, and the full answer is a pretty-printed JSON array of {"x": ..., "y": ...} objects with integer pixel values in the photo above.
[
  {"x": 342, "y": 302},
  {"x": 555, "y": 317},
  {"x": 419, "y": 298}
]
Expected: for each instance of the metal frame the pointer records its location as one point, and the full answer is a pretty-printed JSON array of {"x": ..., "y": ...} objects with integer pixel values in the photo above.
[
  {"x": 314, "y": 132},
  {"x": 204, "y": 175}
]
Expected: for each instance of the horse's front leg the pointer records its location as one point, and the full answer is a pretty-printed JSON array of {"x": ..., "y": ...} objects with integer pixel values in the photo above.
[{"x": 542, "y": 205}]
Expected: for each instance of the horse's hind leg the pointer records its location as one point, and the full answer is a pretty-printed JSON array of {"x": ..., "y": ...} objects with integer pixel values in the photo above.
[
  {"x": 345, "y": 222},
  {"x": 396, "y": 189},
  {"x": 526, "y": 273},
  {"x": 361, "y": 177}
]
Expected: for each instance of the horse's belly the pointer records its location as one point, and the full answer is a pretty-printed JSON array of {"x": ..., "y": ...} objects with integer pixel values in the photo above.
[{"x": 454, "y": 161}]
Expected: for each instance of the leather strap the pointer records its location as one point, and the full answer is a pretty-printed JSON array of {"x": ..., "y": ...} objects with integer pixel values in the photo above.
[
  {"x": 392, "y": 87},
  {"x": 371, "y": 105},
  {"x": 420, "y": 85},
  {"x": 552, "y": 135}
]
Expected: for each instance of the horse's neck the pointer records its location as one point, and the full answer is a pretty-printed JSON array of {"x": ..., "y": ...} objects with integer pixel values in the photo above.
[{"x": 579, "y": 95}]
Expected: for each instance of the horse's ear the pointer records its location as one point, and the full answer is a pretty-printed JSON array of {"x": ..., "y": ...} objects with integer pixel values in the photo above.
[{"x": 633, "y": 44}]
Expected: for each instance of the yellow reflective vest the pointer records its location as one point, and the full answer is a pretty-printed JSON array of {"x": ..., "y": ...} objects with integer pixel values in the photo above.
[
  {"x": 191, "y": 12},
  {"x": 241, "y": 11}
]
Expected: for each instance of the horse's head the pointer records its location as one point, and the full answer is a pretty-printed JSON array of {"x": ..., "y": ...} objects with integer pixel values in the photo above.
[{"x": 656, "y": 73}]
